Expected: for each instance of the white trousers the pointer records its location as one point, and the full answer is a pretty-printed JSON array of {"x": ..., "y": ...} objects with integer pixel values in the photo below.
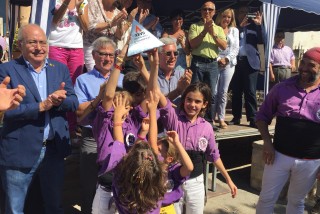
[
  {"x": 193, "y": 197},
  {"x": 302, "y": 175},
  {"x": 101, "y": 201}
]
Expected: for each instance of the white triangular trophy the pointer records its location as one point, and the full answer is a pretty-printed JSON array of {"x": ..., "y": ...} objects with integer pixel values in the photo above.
[{"x": 141, "y": 40}]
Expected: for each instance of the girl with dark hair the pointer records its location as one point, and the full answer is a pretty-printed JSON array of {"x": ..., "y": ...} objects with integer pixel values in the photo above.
[{"x": 197, "y": 137}]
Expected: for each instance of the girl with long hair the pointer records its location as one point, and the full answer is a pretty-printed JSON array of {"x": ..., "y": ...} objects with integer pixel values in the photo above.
[{"x": 197, "y": 137}]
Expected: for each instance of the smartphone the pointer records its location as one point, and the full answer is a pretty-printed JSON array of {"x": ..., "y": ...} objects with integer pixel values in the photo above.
[{"x": 251, "y": 15}]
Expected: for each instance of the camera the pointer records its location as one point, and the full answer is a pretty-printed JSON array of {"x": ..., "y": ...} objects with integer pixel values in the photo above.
[{"x": 251, "y": 15}]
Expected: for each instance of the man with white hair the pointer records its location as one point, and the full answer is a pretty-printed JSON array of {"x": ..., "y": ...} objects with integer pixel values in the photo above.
[
  {"x": 172, "y": 82},
  {"x": 295, "y": 150}
]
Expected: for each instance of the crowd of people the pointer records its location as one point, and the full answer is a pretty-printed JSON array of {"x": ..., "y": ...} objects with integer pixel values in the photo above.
[{"x": 145, "y": 124}]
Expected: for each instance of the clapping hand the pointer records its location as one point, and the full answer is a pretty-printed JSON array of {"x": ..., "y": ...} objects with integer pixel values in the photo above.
[
  {"x": 185, "y": 80},
  {"x": 143, "y": 15},
  {"x": 10, "y": 98},
  {"x": 58, "y": 96}
]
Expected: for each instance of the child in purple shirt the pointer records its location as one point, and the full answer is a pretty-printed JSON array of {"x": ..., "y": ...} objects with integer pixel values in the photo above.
[
  {"x": 197, "y": 137},
  {"x": 139, "y": 177},
  {"x": 171, "y": 151}
]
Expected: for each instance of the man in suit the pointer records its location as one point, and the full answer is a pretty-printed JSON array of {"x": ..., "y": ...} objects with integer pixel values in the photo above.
[
  {"x": 35, "y": 137},
  {"x": 245, "y": 78}
]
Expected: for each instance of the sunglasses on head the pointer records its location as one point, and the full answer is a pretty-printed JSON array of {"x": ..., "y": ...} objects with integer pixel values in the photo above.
[
  {"x": 207, "y": 9},
  {"x": 168, "y": 53}
]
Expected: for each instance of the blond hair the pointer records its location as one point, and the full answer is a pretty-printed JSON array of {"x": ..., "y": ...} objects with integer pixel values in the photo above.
[{"x": 226, "y": 11}]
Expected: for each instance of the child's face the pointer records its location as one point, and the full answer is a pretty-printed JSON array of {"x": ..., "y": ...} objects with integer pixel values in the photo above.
[
  {"x": 164, "y": 152},
  {"x": 193, "y": 104}
]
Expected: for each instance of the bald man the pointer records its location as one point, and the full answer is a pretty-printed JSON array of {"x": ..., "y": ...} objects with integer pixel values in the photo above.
[{"x": 35, "y": 136}]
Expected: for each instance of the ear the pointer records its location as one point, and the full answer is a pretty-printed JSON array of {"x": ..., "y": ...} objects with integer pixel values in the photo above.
[
  {"x": 169, "y": 159},
  {"x": 20, "y": 45},
  {"x": 205, "y": 104}
]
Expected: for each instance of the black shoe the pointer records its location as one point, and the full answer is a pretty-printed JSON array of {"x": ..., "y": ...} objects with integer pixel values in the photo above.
[
  {"x": 252, "y": 124},
  {"x": 234, "y": 122}
]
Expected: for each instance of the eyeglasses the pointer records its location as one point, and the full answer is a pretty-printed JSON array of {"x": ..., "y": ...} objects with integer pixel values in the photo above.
[
  {"x": 34, "y": 43},
  {"x": 169, "y": 53},
  {"x": 101, "y": 54},
  {"x": 207, "y": 9}
]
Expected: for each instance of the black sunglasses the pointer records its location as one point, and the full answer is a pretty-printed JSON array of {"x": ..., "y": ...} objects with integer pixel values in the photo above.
[
  {"x": 168, "y": 53},
  {"x": 207, "y": 9}
]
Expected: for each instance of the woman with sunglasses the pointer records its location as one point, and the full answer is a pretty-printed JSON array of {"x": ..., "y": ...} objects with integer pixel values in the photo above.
[
  {"x": 179, "y": 35},
  {"x": 227, "y": 60}
]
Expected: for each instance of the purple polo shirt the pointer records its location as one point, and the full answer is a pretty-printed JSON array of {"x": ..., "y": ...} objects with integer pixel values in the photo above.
[
  {"x": 281, "y": 56},
  {"x": 103, "y": 132},
  {"x": 287, "y": 99},
  {"x": 174, "y": 189},
  {"x": 197, "y": 136}
]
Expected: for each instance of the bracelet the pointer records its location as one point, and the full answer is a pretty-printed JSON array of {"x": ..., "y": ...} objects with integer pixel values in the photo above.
[
  {"x": 119, "y": 59},
  {"x": 128, "y": 24},
  {"x": 119, "y": 67},
  {"x": 141, "y": 138},
  {"x": 117, "y": 124}
]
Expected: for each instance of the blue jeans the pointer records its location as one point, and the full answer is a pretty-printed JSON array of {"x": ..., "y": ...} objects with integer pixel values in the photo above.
[
  {"x": 207, "y": 73},
  {"x": 221, "y": 95},
  {"x": 15, "y": 182}
]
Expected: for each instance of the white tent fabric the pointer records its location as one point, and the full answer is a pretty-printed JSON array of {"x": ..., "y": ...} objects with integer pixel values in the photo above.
[
  {"x": 271, "y": 9},
  {"x": 311, "y": 6},
  {"x": 270, "y": 17}
]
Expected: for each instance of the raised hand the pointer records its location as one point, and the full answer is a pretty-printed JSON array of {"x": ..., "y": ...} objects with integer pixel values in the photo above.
[
  {"x": 121, "y": 109},
  {"x": 173, "y": 137},
  {"x": 152, "y": 101},
  {"x": 138, "y": 61},
  {"x": 258, "y": 19},
  {"x": 153, "y": 57},
  {"x": 133, "y": 14},
  {"x": 143, "y": 15}
]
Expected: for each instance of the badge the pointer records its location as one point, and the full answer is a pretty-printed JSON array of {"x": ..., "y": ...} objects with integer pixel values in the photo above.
[
  {"x": 203, "y": 143},
  {"x": 318, "y": 114},
  {"x": 169, "y": 185},
  {"x": 130, "y": 139}
]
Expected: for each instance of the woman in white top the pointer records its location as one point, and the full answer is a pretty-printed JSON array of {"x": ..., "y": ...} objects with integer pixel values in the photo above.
[{"x": 227, "y": 60}]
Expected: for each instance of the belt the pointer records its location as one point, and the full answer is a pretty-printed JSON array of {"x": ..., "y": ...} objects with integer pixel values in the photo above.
[
  {"x": 86, "y": 132},
  {"x": 281, "y": 66},
  {"x": 46, "y": 142},
  {"x": 203, "y": 59},
  {"x": 242, "y": 58}
]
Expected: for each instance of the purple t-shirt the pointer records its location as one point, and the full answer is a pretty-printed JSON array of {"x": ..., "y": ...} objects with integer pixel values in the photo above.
[
  {"x": 103, "y": 132},
  {"x": 197, "y": 136},
  {"x": 287, "y": 99},
  {"x": 174, "y": 189}
]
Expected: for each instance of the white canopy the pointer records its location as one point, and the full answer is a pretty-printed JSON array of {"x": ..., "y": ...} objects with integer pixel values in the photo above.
[{"x": 271, "y": 12}]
